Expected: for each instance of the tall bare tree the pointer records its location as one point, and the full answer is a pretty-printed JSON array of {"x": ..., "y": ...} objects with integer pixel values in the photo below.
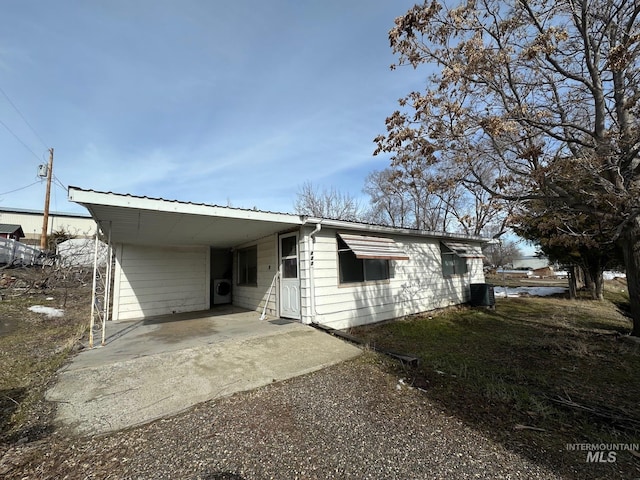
[
  {"x": 326, "y": 203},
  {"x": 502, "y": 253},
  {"x": 532, "y": 90},
  {"x": 388, "y": 202}
]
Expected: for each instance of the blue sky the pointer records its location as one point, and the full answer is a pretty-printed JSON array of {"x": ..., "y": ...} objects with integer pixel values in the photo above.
[{"x": 218, "y": 102}]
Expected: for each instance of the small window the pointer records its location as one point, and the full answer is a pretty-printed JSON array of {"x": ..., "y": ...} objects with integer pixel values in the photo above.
[
  {"x": 354, "y": 270},
  {"x": 248, "y": 266},
  {"x": 452, "y": 264}
]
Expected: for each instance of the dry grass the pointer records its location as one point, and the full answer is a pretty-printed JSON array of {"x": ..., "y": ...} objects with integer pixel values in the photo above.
[
  {"x": 524, "y": 363},
  {"x": 33, "y": 347}
]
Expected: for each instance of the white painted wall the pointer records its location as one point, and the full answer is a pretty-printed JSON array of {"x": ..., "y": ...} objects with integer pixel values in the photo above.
[
  {"x": 151, "y": 281},
  {"x": 417, "y": 284},
  {"x": 254, "y": 297}
]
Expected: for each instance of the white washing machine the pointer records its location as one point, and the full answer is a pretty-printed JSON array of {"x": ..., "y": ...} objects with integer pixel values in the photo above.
[{"x": 221, "y": 291}]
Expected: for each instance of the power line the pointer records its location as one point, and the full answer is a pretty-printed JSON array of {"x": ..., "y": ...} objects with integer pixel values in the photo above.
[
  {"x": 18, "y": 138},
  {"x": 18, "y": 189},
  {"x": 23, "y": 117},
  {"x": 59, "y": 182}
]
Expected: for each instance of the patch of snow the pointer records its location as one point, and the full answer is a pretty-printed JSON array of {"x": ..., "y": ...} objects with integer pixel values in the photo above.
[
  {"x": 48, "y": 311},
  {"x": 533, "y": 291},
  {"x": 612, "y": 275},
  {"x": 49, "y": 298}
]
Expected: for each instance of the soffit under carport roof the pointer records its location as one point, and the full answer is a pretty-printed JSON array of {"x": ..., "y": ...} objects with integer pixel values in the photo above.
[{"x": 155, "y": 221}]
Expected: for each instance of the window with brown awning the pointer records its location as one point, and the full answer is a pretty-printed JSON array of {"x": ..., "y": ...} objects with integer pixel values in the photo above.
[
  {"x": 465, "y": 250},
  {"x": 366, "y": 247}
]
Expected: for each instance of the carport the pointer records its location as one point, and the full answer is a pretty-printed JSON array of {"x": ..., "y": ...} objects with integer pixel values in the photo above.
[
  {"x": 164, "y": 253},
  {"x": 160, "y": 366}
]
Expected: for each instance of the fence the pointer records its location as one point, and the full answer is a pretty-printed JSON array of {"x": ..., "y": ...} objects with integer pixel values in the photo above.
[{"x": 16, "y": 252}]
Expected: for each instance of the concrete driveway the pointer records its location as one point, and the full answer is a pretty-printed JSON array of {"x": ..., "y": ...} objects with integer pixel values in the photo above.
[{"x": 159, "y": 367}]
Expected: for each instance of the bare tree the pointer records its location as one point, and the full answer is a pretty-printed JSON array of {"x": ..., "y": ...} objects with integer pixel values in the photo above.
[
  {"x": 326, "y": 203},
  {"x": 388, "y": 204},
  {"x": 541, "y": 94},
  {"x": 502, "y": 253},
  {"x": 428, "y": 200}
]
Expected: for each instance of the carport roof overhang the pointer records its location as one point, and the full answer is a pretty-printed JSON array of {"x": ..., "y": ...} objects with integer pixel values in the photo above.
[{"x": 155, "y": 221}]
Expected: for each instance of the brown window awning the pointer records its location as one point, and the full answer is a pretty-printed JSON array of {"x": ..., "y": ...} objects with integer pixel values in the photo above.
[
  {"x": 464, "y": 250},
  {"x": 373, "y": 247}
]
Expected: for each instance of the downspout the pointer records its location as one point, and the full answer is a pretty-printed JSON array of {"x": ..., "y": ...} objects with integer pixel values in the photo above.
[{"x": 312, "y": 285}]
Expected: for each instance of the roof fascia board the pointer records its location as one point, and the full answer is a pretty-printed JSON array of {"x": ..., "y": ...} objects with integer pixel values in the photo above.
[
  {"x": 88, "y": 198},
  {"x": 343, "y": 224}
]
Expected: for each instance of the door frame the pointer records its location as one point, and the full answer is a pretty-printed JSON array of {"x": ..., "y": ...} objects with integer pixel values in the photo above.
[{"x": 283, "y": 282}]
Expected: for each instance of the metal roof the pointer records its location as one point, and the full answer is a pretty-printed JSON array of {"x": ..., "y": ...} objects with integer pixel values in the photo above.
[
  {"x": 156, "y": 221},
  {"x": 8, "y": 228},
  {"x": 373, "y": 247},
  {"x": 28, "y": 211},
  {"x": 384, "y": 229}
]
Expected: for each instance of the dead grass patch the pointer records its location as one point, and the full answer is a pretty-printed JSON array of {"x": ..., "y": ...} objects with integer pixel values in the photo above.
[
  {"x": 33, "y": 347},
  {"x": 556, "y": 366}
]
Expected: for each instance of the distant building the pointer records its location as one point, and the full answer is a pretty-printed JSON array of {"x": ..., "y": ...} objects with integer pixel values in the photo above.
[
  {"x": 530, "y": 263},
  {"x": 80, "y": 225},
  {"x": 12, "y": 231}
]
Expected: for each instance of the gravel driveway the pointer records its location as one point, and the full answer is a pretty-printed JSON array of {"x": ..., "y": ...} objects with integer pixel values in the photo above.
[{"x": 351, "y": 420}]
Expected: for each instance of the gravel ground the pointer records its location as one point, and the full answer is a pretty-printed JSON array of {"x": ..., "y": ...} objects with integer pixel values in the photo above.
[{"x": 352, "y": 420}]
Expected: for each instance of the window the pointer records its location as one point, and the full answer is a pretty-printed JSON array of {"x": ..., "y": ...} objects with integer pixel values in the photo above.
[
  {"x": 452, "y": 263},
  {"x": 353, "y": 269},
  {"x": 289, "y": 256},
  {"x": 248, "y": 266}
]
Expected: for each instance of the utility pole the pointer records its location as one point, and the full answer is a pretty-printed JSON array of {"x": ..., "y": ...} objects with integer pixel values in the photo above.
[{"x": 45, "y": 218}]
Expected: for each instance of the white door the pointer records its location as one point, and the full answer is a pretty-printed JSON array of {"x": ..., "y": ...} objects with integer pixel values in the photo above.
[{"x": 289, "y": 277}]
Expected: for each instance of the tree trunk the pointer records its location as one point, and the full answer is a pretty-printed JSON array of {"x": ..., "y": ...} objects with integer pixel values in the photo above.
[
  {"x": 589, "y": 283},
  {"x": 573, "y": 284},
  {"x": 580, "y": 282},
  {"x": 594, "y": 278},
  {"x": 598, "y": 283},
  {"x": 630, "y": 243}
]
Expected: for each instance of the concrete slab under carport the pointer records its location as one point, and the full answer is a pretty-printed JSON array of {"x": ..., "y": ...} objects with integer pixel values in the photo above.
[{"x": 164, "y": 365}]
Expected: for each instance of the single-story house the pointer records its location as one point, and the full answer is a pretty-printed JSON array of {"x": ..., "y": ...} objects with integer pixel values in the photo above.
[
  {"x": 14, "y": 232},
  {"x": 173, "y": 256}
]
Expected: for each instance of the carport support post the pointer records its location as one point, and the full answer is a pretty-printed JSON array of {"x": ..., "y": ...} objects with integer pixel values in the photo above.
[
  {"x": 93, "y": 292},
  {"x": 107, "y": 289}
]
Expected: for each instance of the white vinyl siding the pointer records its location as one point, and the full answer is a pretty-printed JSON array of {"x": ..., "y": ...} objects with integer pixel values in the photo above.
[
  {"x": 253, "y": 297},
  {"x": 416, "y": 285},
  {"x": 151, "y": 281}
]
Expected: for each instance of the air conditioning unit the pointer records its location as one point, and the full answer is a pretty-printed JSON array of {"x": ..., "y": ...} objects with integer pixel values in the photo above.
[{"x": 482, "y": 295}]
